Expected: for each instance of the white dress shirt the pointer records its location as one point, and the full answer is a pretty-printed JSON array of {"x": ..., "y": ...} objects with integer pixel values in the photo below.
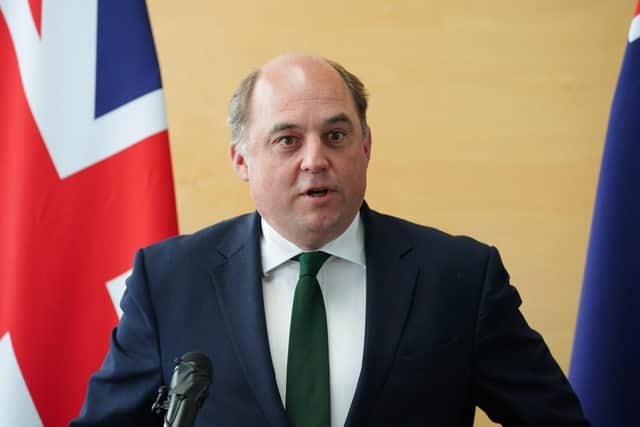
[{"x": 342, "y": 280}]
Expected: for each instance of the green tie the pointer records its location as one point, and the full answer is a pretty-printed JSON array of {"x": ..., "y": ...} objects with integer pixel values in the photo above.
[{"x": 308, "y": 361}]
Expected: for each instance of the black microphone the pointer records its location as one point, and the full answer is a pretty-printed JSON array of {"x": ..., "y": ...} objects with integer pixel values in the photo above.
[{"x": 187, "y": 391}]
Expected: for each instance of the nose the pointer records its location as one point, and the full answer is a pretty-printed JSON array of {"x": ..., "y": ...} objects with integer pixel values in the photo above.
[{"x": 314, "y": 155}]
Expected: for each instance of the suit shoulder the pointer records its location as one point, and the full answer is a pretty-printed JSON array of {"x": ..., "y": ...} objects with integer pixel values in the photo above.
[
  {"x": 429, "y": 239},
  {"x": 206, "y": 240}
]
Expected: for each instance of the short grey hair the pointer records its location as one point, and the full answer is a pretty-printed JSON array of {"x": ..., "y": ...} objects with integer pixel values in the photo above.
[{"x": 238, "y": 118}]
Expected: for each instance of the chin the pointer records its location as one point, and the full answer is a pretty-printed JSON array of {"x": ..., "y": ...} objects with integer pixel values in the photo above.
[{"x": 325, "y": 230}]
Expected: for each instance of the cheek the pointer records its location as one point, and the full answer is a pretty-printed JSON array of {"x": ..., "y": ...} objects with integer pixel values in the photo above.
[
  {"x": 354, "y": 172},
  {"x": 271, "y": 179}
]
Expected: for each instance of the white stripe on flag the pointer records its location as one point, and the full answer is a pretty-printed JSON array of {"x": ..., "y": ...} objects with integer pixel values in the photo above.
[
  {"x": 16, "y": 405},
  {"x": 634, "y": 31},
  {"x": 116, "y": 289}
]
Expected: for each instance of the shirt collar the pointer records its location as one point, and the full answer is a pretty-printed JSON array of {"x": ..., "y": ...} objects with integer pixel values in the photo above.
[{"x": 276, "y": 250}]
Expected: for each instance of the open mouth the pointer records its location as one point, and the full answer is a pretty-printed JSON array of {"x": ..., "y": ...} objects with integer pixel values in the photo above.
[{"x": 317, "y": 192}]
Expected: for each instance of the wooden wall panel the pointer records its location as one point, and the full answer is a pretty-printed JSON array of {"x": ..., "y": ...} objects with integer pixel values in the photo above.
[{"x": 488, "y": 118}]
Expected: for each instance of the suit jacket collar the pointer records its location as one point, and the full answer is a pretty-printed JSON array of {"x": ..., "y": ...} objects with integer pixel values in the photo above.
[
  {"x": 391, "y": 278},
  {"x": 238, "y": 286}
]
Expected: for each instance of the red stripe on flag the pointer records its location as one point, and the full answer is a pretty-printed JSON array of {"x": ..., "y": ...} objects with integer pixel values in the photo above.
[
  {"x": 637, "y": 9},
  {"x": 36, "y": 11}
]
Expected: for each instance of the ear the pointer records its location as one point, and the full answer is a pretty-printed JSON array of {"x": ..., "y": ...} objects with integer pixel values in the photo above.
[
  {"x": 367, "y": 144},
  {"x": 239, "y": 162}
]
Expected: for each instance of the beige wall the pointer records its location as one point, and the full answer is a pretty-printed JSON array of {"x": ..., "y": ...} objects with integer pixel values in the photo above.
[{"x": 488, "y": 117}]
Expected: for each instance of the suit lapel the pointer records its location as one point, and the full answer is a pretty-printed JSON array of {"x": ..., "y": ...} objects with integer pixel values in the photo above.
[
  {"x": 238, "y": 288},
  {"x": 391, "y": 278}
]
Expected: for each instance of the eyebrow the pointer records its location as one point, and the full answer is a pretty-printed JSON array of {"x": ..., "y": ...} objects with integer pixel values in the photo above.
[
  {"x": 279, "y": 127},
  {"x": 338, "y": 118}
]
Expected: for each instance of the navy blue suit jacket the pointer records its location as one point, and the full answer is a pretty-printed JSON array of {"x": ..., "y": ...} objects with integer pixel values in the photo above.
[{"x": 443, "y": 334}]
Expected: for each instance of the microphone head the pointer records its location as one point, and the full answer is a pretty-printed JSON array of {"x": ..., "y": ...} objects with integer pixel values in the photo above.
[
  {"x": 199, "y": 362},
  {"x": 188, "y": 389}
]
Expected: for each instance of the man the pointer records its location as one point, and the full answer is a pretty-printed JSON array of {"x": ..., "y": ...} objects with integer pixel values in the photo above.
[{"x": 412, "y": 326}]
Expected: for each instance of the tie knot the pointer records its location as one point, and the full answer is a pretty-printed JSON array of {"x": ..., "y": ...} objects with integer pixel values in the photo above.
[{"x": 310, "y": 262}]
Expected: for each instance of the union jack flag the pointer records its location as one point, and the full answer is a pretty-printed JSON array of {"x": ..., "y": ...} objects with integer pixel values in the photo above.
[{"x": 85, "y": 177}]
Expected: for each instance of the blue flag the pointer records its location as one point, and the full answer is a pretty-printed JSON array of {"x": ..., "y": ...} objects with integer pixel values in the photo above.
[{"x": 605, "y": 365}]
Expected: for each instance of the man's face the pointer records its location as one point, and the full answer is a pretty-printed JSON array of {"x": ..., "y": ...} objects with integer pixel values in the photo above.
[{"x": 306, "y": 156}]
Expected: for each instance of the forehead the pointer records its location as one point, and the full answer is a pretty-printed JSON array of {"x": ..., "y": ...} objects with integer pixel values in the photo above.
[{"x": 309, "y": 90}]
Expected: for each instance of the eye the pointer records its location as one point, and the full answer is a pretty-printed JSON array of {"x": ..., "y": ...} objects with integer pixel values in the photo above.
[
  {"x": 286, "y": 140},
  {"x": 336, "y": 136}
]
